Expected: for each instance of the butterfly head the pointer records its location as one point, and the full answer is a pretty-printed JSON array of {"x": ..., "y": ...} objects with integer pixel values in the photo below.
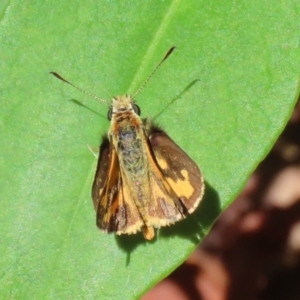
[{"x": 123, "y": 105}]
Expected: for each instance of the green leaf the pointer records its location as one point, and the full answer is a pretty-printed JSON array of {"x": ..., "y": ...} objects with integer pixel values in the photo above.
[{"x": 224, "y": 96}]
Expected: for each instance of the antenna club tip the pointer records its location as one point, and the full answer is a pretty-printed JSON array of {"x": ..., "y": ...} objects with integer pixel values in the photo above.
[{"x": 171, "y": 50}]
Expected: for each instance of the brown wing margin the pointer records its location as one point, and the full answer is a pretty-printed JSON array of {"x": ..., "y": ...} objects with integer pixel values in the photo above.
[
  {"x": 180, "y": 171},
  {"x": 101, "y": 171}
]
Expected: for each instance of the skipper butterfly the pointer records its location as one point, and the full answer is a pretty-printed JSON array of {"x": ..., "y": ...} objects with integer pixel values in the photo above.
[{"x": 144, "y": 180}]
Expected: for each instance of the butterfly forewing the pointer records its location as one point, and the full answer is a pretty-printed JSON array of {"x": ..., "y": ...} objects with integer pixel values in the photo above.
[
  {"x": 101, "y": 175},
  {"x": 178, "y": 169},
  {"x": 115, "y": 210}
]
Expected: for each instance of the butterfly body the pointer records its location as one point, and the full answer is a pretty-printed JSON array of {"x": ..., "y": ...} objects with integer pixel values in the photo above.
[
  {"x": 137, "y": 186},
  {"x": 127, "y": 137}
]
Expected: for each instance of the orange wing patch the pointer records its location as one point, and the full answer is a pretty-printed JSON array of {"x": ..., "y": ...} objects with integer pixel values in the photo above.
[{"x": 178, "y": 169}]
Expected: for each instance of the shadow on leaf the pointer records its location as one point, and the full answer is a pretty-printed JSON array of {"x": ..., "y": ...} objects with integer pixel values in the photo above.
[{"x": 192, "y": 228}]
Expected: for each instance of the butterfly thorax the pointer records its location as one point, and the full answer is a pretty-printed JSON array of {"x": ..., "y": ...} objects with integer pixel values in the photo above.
[{"x": 127, "y": 137}]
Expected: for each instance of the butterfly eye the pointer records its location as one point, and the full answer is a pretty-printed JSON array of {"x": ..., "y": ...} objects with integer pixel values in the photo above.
[
  {"x": 109, "y": 114},
  {"x": 136, "y": 109}
]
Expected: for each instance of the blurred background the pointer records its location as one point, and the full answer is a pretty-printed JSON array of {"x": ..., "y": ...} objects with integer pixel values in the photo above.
[{"x": 253, "y": 249}]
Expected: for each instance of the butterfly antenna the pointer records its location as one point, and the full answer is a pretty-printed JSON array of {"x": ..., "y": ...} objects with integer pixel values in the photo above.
[
  {"x": 79, "y": 89},
  {"x": 149, "y": 77}
]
